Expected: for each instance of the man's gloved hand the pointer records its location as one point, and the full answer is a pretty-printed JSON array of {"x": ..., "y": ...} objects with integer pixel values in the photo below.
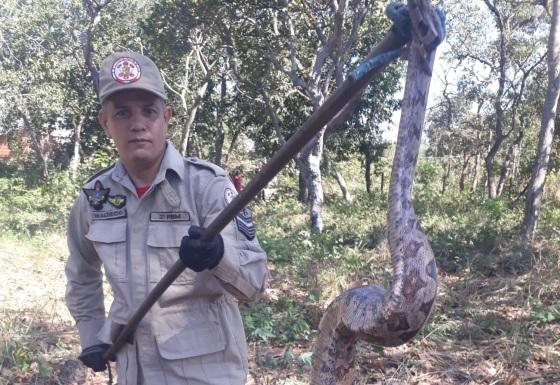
[
  {"x": 199, "y": 255},
  {"x": 92, "y": 357}
]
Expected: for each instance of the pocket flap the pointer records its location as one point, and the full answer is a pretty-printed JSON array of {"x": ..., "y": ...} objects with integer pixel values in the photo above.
[
  {"x": 166, "y": 234},
  {"x": 204, "y": 339},
  {"x": 107, "y": 232}
]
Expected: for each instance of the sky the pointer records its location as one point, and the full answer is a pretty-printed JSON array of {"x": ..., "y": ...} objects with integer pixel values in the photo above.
[{"x": 436, "y": 87}]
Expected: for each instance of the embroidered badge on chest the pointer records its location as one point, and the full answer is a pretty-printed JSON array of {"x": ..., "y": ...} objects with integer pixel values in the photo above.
[
  {"x": 97, "y": 195},
  {"x": 244, "y": 222},
  {"x": 118, "y": 201}
]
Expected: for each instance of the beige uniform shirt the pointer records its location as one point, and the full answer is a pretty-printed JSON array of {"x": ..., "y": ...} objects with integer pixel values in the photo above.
[{"x": 137, "y": 240}]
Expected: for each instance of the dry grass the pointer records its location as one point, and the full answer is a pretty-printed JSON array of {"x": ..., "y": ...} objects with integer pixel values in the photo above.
[
  {"x": 485, "y": 330},
  {"x": 39, "y": 341},
  {"x": 489, "y": 330}
]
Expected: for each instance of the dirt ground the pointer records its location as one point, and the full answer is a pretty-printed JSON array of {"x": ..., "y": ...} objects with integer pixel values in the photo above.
[{"x": 499, "y": 330}]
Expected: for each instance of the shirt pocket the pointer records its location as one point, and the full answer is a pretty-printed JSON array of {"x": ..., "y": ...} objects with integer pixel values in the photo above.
[
  {"x": 190, "y": 331},
  {"x": 164, "y": 240},
  {"x": 109, "y": 240}
]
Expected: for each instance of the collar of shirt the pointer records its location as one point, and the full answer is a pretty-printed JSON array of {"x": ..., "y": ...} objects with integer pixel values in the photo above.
[{"x": 172, "y": 160}]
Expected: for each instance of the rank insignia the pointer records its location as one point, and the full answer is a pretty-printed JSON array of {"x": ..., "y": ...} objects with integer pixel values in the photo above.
[
  {"x": 97, "y": 195},
  {"x": 244, "y": 221},
  {"x": 117, "y": 201}
]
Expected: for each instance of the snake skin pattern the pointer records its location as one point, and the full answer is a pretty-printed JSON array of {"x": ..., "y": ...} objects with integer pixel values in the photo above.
[{"x": 371, "y": 313}]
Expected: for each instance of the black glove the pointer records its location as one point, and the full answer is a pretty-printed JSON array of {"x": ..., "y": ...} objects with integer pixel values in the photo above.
[
  {"x": 92, "y": 357},
  {"x": 199, "y": 255}
]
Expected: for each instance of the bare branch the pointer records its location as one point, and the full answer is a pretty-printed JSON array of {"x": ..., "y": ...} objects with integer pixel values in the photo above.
[
  {"x": 273, "y": 115},
  {"x": 491, "y": 6},
  {"x": 86, "y": 39},
  {"x": 167, "y": 85}
]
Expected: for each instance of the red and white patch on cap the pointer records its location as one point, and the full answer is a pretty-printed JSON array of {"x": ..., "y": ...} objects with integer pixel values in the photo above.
[{"x": 126, "y": 70}]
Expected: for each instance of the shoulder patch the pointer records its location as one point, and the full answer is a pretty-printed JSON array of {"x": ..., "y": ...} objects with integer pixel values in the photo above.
[
  {"x": 98, "y": 173},
  {"x": 218, "y": 171}
]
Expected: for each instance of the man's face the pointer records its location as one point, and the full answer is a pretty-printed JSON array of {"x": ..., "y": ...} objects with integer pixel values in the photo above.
[{"x": 137, "y": 121}]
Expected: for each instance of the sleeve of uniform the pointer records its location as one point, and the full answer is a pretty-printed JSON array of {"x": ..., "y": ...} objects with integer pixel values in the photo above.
[
  {"x": 84, "y": 288},
  {"x": 242, "y": 271}
]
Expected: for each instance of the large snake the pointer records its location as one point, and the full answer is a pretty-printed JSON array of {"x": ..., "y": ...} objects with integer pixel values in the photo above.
[{"x": 371, "y": 313}]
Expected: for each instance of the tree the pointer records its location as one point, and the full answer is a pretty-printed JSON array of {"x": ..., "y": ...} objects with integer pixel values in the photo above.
[
  {"x": 35, "y": 67},
  {"x": 362, "y": 133},
  {"x": 179, "y": 36},
  {"x": 535, "y": 189},
  {"x": 496, "y": 47},
  {"x": 455, "y": 129},
  {"x": 47, "y": 65},
  {"x": 313, "y": 46}
]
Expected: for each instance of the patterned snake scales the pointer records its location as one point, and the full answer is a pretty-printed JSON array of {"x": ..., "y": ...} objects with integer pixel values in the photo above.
[{"x": 371, "y": 313}]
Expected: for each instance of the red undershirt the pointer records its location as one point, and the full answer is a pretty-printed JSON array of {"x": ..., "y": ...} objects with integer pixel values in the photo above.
[{"x": 141, "y": 190}]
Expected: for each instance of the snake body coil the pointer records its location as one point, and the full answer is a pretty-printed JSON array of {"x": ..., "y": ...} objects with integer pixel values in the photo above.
[{"x": 371, "y": 313}]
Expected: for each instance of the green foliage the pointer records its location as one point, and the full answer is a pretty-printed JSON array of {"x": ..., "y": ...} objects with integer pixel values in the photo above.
[
  {"x": 20, "y": 352},
  {"x": 426, "y": 186},
  {"x": 35, "y": 209},
  {"x": 544, "y": 314},
  {"x": 305, "y": 358},
  {"x": 550, "y": 222},
  {"x": 281, "y": 321},
  {"x": 23, "y": 358}
]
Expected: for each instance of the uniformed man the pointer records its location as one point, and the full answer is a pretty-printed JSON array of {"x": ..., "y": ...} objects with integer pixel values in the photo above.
[{"x": 139, "y": 216}]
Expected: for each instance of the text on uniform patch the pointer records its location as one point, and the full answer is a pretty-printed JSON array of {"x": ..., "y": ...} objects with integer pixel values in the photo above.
[{"x": 170, "y": 216}]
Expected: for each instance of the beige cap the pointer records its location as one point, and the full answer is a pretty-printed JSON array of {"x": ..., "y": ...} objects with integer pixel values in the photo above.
[{"x": 127, "y": 71}]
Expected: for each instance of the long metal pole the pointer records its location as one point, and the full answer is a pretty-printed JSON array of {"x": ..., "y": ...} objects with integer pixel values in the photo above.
[{"x": 351, "y": 87}]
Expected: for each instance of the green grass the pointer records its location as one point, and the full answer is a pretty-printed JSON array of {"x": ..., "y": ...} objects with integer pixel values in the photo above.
[{"x": 497, "y": 314}]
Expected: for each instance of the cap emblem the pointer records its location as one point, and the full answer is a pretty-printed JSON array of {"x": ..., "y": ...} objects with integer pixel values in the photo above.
[{"x": 126, "y": 70}]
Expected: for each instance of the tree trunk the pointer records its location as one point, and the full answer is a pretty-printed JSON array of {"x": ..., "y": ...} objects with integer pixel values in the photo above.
[
  {"x": 475, "y": 172},
  {"x": 41, "y": 153},
  {"x": 76, "y": 158},
  {"x": 220, "y": 137},
  {"x": 367, "y": 176},
  {"x": 303, "y": 195},
  {"x": 507, "y": 165},
  {"x": 489, "y": 163},
  {"x": 535, "y": 190},
  {"x": 498, "y": 127},
  {"x": 367, "y": 173},
  {"x": 445, "y": 178},
  {"x": 339, "y": 180},
  {"x": 234, "y": 137},
  {"x": 191, "y": 116},
  {"x": 311, "y": 161},
  {"x": 464, "y": 168},
  {"x": 504, "y": 174},
  {"x": 194, "y": 148},
  {"x": 342, "y": 184}
]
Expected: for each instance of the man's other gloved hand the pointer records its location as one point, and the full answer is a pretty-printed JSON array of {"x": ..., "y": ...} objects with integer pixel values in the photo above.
[
  {"x": 199, "y": 255},
  {"x": 92, "y": 357}
]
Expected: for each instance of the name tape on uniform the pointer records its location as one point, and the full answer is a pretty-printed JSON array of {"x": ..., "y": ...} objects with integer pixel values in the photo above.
[
  {"x": 170, "y": 216},
  {"x": 113, "y": 214}
]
